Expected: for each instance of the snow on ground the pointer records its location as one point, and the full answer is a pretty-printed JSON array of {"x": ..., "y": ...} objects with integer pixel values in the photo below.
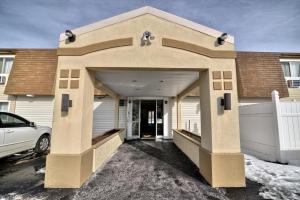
[
  {"x": 41, "y": 171},
  {"x": 279, "y": 181}
]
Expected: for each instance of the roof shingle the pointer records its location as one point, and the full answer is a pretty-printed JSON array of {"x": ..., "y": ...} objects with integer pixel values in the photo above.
[{"x": 33, "y": 72}]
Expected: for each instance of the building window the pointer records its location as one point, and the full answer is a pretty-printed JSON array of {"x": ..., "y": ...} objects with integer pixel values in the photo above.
[
  {"x": 291, "y": 71},
  {"x": 286, "y": 69},
  {"x": 150, "y": 117},
  {"x": 6, "y": 63},
  {"x": 4, "y": 106}
]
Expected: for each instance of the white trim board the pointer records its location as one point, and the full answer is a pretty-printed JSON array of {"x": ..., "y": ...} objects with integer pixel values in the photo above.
[
  {"x": 147, "y": 10},
  {"x": 289, "y": 60},
  {"x": 7, "y": 56}
]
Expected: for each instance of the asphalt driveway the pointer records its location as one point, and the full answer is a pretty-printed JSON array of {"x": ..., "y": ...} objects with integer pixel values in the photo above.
[{"x": 138, "y": 170}]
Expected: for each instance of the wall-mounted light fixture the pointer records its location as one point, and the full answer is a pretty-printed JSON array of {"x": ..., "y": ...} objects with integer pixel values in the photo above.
[
  {"x": 71, "y": 36},
  {"x": 226, "y": 101},
  {"x": 65, "y": 103},
  {"x": 147, "y": 36},
  {"x": 222, "y": 38}
]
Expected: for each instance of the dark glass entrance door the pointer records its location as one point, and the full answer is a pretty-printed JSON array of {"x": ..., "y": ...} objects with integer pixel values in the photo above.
[{"x": 148, "y": 118}]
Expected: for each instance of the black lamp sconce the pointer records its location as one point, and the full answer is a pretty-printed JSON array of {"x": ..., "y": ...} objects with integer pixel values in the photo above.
[
  {"x": 222, "y": 38},
  {"x": 226, "y": 101},
  {"x": 66, "y": 103},
  {"x": 70, "y": 35}
]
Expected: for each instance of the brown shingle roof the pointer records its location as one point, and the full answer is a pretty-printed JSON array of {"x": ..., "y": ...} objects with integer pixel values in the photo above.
[
  {"x": 33, "y": 72},
  {"x": 259, "y": 73}
]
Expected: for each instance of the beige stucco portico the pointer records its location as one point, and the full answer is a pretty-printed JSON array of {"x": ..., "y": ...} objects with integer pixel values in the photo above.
[{"x": 115, "y": 44}]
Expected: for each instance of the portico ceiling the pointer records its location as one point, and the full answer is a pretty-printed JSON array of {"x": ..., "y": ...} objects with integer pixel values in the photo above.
[{"x": 147, "y": 83}]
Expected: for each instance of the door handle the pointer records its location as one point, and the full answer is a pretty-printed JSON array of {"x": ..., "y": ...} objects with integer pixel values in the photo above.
[{"x": 9, "y": 131}]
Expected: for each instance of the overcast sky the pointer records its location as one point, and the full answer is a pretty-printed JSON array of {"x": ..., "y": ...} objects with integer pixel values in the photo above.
[{"x": 257, "y": 25}]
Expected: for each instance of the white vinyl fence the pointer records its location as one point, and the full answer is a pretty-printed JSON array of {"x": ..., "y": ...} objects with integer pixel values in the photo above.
[{"x": 271, "y": 131}]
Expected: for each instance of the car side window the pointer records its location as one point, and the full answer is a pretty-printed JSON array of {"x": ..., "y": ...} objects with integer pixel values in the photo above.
[{"x": 11, "y": 121}]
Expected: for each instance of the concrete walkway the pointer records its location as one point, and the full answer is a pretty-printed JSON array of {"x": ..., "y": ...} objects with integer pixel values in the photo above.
[{"x": 138, "y": 170}]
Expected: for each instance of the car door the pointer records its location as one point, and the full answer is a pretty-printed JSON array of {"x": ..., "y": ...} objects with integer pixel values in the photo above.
[
  {"x": 1, "y": 141},
  {"x": 18, "y": 135}
]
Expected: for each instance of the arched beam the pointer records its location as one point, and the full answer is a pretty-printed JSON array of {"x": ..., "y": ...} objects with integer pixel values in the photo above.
[
  {"x": 197, "y": 49},
  {"x": 79, "y": 51}
]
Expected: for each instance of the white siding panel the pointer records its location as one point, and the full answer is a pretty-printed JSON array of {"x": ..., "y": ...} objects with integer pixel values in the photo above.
[
  {"x": 123, "y": 116},
  {"x": 36, "y": 109},
  {"x": 172, "y": 124},
  {"x": 103, "y": 116},
  {"x": 251, "y": 101},
  {"x": 40, "y": 111},
  {"x": 190, "y": 109}
]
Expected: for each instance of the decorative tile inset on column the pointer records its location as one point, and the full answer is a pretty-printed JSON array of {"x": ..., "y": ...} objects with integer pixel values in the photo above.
[
  {"x": 64, "y": 73},
  {"x": 75, "y": 73},
  {"x": 74, "y": 84},
  {"x": 217, "y": 74},
  {"x": 227, "y": 74},
  {"x": 227, "y": 85},
  {"x": 65, "y": 78},
  {"x": 217, "y": 85},
  {"x": 63, "y": 84}
]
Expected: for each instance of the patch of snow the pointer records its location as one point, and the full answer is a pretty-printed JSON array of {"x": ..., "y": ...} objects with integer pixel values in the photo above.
[
  {"x": 16, "y": 196},
  {"x": 41, "y": 171},
  {"x": 279, "y": 181},
  {"x": 295, "y": 162}
]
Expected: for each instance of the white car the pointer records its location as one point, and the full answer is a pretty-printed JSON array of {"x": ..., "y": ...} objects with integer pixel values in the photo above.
[{"x": 18, "y": 134}]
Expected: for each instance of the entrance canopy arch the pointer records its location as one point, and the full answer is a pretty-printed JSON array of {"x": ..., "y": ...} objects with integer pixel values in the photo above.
[{"x": 114, "y": 45}]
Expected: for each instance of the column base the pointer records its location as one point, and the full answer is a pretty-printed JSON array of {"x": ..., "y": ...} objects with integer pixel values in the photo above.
[
  {"x": 68, "y": 170},
  {"x": 222, "y": 169}
]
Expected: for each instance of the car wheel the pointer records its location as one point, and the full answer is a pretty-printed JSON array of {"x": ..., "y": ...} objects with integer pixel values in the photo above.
[{"x": 42, "y": 144}]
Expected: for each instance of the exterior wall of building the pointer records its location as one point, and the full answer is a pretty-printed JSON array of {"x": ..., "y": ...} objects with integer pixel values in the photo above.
[
  {"x": 250, "y": 101},
  {"x": 7, "y": 98},
  {"x": 259, "y": 73},
  {"x": 37, "y": 109},
  {"x": 5, "y": 70},
  {"x": 157, "y": 25},
  {"x": 191, "y": 117},
  {"x": 171, "y": 58},
  {"x": 294, "y": 93},
  {"x": 103, "y": 116},
  {"x": 172, "y": 115}
]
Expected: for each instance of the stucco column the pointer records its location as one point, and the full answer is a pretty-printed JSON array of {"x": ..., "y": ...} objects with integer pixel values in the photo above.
[
  {"x": 70, "y": 160},
  {"x": 221, "y": 162}
]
